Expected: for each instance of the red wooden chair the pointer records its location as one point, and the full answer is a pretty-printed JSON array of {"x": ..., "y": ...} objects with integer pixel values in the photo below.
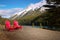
[
  {"x": 16, "y": 25},
  {"x": 8, "y": 26}
]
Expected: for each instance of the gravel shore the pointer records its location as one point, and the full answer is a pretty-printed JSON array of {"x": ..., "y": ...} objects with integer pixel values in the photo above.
[{"x": 30, "y": 33}]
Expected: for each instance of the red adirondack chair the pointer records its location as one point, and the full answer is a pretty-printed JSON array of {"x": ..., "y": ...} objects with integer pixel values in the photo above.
[
  {"x": 16, "y": 25},
  {"x": 8, "y": 26}
]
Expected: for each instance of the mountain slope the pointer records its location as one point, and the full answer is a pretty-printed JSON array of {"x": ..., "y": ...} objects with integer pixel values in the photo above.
[{"x": 29, "y": 8}]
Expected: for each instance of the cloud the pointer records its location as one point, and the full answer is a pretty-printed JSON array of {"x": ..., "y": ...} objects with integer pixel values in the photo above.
[
  {"x": 2, "y": 5},
  {"x": 8, "y": 12}
]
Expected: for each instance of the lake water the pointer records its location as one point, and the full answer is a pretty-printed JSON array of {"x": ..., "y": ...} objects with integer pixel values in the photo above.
[{"x": 45, "y": 27}]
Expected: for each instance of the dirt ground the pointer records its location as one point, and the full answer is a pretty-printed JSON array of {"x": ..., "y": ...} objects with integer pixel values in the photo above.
[{"x": 29, "y": 33}]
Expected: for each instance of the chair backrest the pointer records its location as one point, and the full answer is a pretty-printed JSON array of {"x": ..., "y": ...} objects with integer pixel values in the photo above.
[
  {"x": 15, "y": 23},
  {"x": 7, "y": 24}
]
